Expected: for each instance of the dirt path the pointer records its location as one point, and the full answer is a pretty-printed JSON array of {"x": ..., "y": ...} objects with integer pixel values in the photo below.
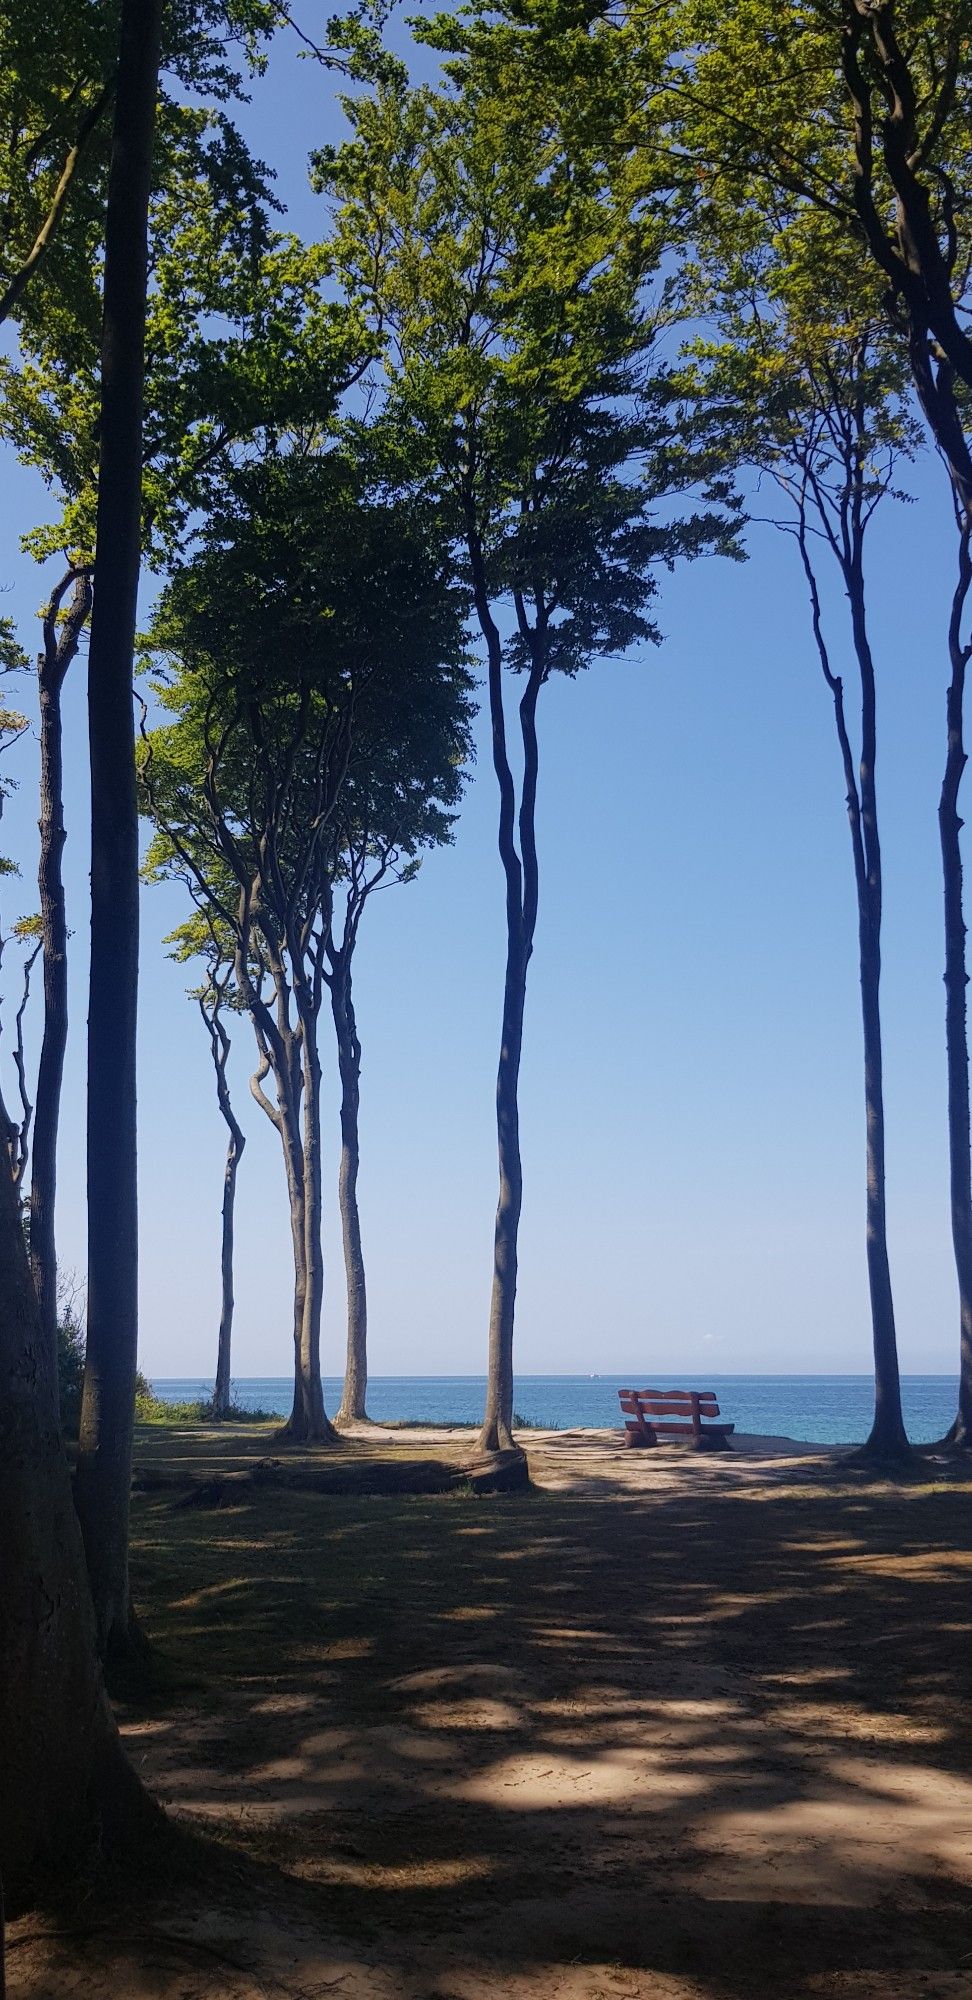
[{"x": 666, "y": 1726}]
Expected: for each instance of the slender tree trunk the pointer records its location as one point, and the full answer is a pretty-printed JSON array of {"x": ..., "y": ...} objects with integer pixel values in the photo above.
[
  {"x": 221, "y": 1391},
  {"x": 293, "y": 1152},
  {"x": 353, "y": 1402},
  {"x": 936, "y": 395},
  {"x": 521, "y": 877},
  {"x": 63, "y": 1777},
  {"x": 956, "y": 982},
  {"x": 58, "y": 652},
  {"x": 105, "y": 1444},
  {"x": 309, "y": 1422},
  {"x": 497, "y": 1431},
  {"x": 887, "y": 1436},
  {"x": 220, "y": 1045}
]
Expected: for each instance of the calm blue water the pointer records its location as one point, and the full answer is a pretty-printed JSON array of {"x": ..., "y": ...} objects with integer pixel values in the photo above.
[{"x": 826, "y": 1409}]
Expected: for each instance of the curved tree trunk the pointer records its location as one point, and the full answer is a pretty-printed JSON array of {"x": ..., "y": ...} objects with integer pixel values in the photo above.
[
  {"x": 58, "y": 652},
  {"x": 956, "y": 983},
  {"x": 103, "y": 1485},
  {"x": 209, "y": 1006},
  {"x": 936, "y": 394},
  {"x": 64, "y": 1779},
  {"x": 353, "y": 1402},
  {"x": 522, "y": 883}
]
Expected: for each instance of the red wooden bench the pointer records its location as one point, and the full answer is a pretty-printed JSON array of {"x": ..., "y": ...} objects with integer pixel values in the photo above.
[{"x": 651, "y": 1414}]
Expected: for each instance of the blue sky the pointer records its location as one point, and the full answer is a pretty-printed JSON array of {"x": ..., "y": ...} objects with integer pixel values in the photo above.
[{"x": 692, "y": 1089}]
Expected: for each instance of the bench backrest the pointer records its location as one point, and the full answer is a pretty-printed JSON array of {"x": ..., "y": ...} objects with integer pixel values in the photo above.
[{"x": 690, "y": 1403}]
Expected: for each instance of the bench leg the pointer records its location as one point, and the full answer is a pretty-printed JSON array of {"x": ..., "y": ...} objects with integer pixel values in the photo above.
[{"x": 636, "y": 1440}]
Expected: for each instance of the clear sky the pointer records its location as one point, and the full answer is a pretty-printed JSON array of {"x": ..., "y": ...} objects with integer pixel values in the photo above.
[{"x": 692, "y": 1098}]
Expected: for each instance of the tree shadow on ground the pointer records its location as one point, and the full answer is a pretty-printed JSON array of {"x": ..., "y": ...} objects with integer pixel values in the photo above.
[{"x": 713, "y": 1734}]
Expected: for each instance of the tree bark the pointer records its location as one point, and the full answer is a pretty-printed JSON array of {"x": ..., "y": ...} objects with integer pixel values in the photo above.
[
  {"x": 105, "y": 1445},
  {"x": 522, "y": 881},
  {"x": 920, "y": 264},
  {"x": 63, "y": 1777},
  {"x": 354, "y": 1399},
  {"x": 220, "y": 1045},
  {"x": 58, "y": 652},
  {"x": 497, "y": 1430},
  {"x": 887, "y": 1438},
  {"x": 308, "y": 1422},
  {"x": 956, "y": 983},
  {"x": 936, "y": 394}
]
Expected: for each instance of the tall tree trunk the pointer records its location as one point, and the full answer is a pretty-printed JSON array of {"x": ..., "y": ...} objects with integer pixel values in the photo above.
[
  {"x": 353, "y": 1402},
  {"x": 936, "y": 394},
  {"x": 219, "y": 1041},
  {"x": 497, "y": 1431},
  {"x": 887, "y": 1436},
  {"x": 521, "y": 878},
  {"x": 58, "y": 652},
  {"x": 105, "y": 1445},
  {"x": 63, "y": 1776},
  {"x": 309, "y": 1422},
  {"x": 221, "y": 1390},
  {"x": 956, "y": 982}
]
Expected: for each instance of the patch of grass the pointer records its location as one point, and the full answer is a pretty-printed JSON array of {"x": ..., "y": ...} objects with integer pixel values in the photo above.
[
  {"x": 429, "y": 1423},
  {"x": 153, "y": 1409}
]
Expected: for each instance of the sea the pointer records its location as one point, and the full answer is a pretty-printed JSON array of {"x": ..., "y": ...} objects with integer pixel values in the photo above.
[{"x": 821, "y": 1409}]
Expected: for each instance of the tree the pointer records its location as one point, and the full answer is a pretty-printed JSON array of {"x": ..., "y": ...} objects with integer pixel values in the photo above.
[
  {"x": 484, "y": 228},
  {"x": 805, "y": 380},
  {"x": 56, "y": 87},
  {"x": 58, "y": 73},
  {"x": 64, "y": 1776},
  {"x": 209, "y": 224},
  {"x": 62, "y": 631},
  {"x": 401, "y": 791},
  {"x": 202, "y": 937},
  {"x": 861, "y": 113},
  {"x": 104, "y": 1453},
  {"x": 103, "y": 1479},
  {"x": 308, "y": 592},
  {"x": 15, "y": 1132}
]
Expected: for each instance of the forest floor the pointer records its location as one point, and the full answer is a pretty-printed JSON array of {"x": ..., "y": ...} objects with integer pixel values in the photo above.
[{"x": 664, "y": 1725}]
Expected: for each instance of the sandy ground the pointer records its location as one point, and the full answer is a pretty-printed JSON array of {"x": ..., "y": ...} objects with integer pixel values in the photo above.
[{"x": 678, "y": 1726}]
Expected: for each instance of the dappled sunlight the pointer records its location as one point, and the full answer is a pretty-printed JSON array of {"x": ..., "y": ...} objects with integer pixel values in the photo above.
[{"x": 568, "y": 1708}]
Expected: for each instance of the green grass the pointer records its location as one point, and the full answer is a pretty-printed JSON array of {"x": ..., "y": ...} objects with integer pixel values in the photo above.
[{"x": 152, "y": 1409}]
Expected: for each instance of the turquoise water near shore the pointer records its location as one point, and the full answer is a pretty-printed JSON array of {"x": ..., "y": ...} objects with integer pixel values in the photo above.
[{"x": 822, "y": 1409}]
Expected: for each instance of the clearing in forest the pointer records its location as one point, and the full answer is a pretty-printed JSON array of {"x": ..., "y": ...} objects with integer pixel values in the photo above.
[{"x": 662, "y": 1725}]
